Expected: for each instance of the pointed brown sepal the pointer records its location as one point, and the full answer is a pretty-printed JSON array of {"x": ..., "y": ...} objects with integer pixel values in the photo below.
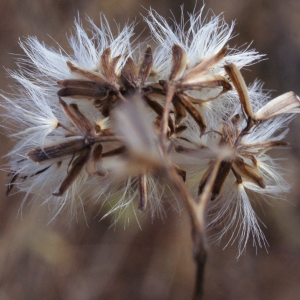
[
  {"x": 246, "y": 171},
  {"x": 178, "y": 62},
  {"x": 93, "y": 76},
  {"x": 73, "y": 173},
  {"x": 155, "y": 88},
  {"x": 221, "y": 176},
  {"x": 58, "y": 150},
  {"x": 164, "y": 85},
  {"x": 105, "y": 62},
  {"x": 205, "y": 81},
  {"x": 76, "y": 117},
  {"x": 108, "y": 66},
  {"x": 193, "y": 111},
  {"x": 143, "y": 192},
  {"x": 113, "y": 65},
  {"x": 94, "y": 164},
  {"x": 129, "y": 74},
  {"x": 239, "y": 179},
  {"x": 205, "y": 65},
  {"x": 179, "y": 110},
  {"x": 241, "y": 88},
  {"x": 156, "y": 107},
  {"x": 146, "y": 66},
  {"x": 224, "y": 169},
  {"x": 85, "y": 89}
]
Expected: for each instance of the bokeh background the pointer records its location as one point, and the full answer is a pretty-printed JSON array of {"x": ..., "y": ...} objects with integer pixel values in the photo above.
[{"x": 82, "y": 258}]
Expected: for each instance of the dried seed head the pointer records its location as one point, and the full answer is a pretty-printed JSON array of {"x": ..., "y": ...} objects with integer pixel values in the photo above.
[{"x": 111, "y": 119}]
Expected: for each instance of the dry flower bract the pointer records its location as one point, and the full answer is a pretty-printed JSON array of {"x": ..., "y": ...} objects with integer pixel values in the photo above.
[{"x": 129, "y": 124}]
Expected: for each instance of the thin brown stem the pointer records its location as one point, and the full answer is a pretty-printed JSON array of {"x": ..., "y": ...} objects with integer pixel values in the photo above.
[
  {"x": 199, "y": 236},
  {"x": 197, "y": 216}
]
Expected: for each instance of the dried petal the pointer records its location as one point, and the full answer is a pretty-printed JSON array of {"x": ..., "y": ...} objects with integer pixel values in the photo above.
[
  {"x": 222, "y": 173},
  {"x": 77, "y": 166},
  {"x": 77, "y": 118},
  {"x": 109, "y": 65},
  {"x": 287, "y": 103},
  {"x": 205, "y": 65},
  {"x": 129, "y": 74},
  {"x": 85, "y": 89},
  {"x": 178, "y": 62},
  {"x": 93, "y": 76},
  {"x": 205, "y": 81},
  {"x": 241, "y": 88},
  {"x": 146, "y": 66},
  {"x": 155, "y": 106},
  {"x": 94, "y": 165},
  {"x": 193, "y": 111},
  {"x": 179, "y": 110},
  {"x": 246, "y": 171},
  {"x": 58, "y": 150}
]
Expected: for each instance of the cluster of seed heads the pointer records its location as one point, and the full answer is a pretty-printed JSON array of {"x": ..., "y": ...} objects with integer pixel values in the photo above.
[{"x": 180, "y": 115}]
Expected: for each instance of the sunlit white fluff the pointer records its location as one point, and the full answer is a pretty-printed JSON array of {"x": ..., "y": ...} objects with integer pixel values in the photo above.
[
  {"x": 200, "y": 37},
  {"x": 233, "y": 216},
  {"x": 32, "y": 116},
  {"x": 33, "y": 121},
  {"x": 46, "y": 65}
]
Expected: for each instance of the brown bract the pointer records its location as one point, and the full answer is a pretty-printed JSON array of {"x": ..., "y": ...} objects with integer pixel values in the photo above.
[
  {"x": 102, "y": 87},
  {"x": 283, "y": 104},
  {"x": 241, "y": 161},
  {"x": 134, "y": 77},
  {"x": 82, "y": 146},
  {"x": 181, "y": 80}
]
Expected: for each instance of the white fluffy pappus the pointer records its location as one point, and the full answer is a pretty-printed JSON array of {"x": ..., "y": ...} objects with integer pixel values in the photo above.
[
  {"x": 45, "y": 65},
  {"x": 200, "y": 37}
]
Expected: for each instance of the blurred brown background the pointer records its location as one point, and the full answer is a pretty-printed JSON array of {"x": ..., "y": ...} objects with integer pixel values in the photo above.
[{"x": 82, "y": 258}]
